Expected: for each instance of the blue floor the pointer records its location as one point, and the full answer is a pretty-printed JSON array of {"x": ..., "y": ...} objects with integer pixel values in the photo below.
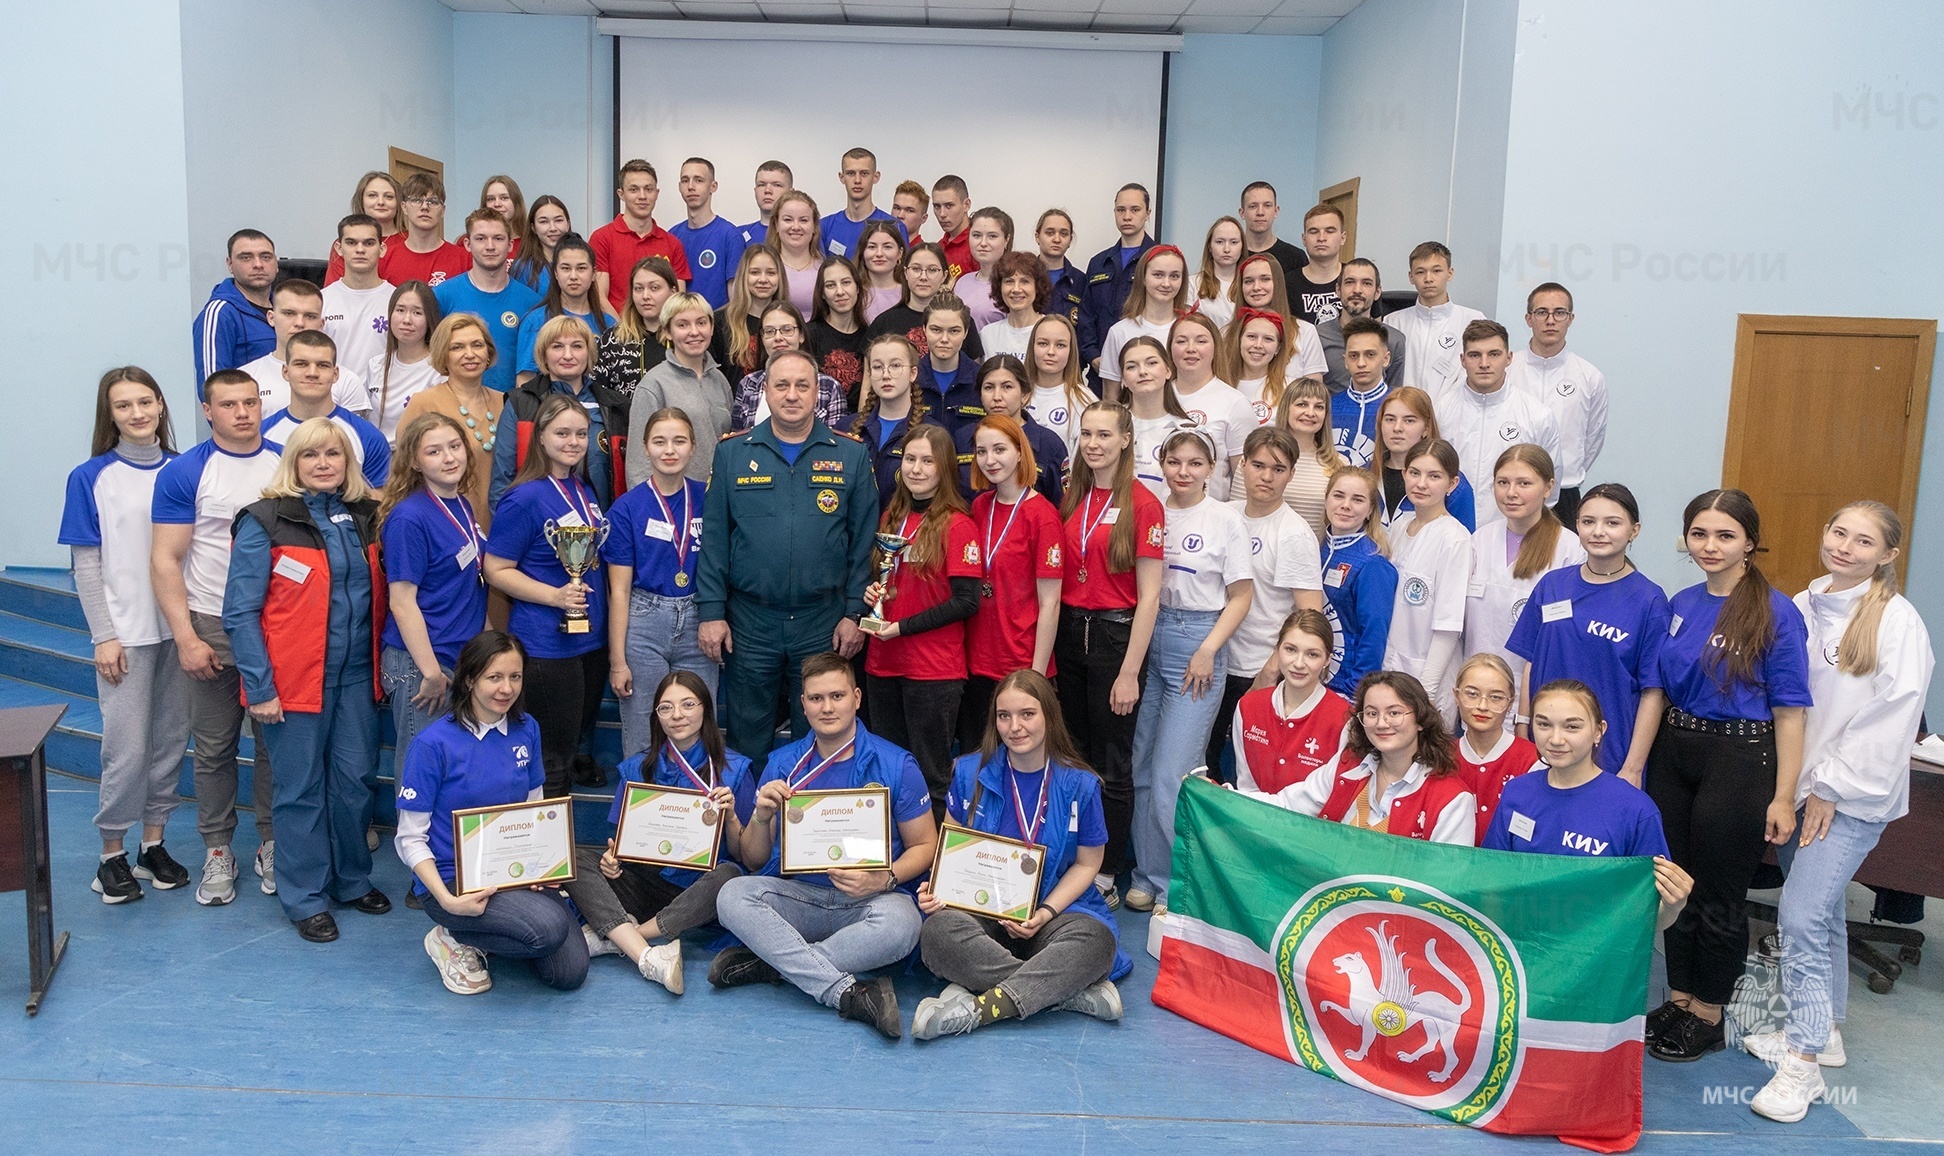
[{"x": 172, "y": 1027}]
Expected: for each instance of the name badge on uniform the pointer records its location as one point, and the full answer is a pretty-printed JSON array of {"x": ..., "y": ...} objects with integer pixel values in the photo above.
[
  {"x": 1073, "y": 821},
  {"x": 291, "y": 568},
  {"x": 1674, "y": 627},
  {"x": 467, "y": 555},
  {"x": 837, "y": 249},
  {"x": 1111, "y": 516},
  {"x": 570, "y": 518},
  {"x": 1336, "y": 574},
  {"x": 1521, "y": 826},
  {"x": 341, "y": 518},
  {"x": 1554, "y": 611},
  {"x": 661, "y": 530}
]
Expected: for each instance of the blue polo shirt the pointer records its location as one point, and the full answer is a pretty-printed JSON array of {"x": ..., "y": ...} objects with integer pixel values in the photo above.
[
  {"x": 448, "y": 768},
  {"x": 500, "y": 311},
  {"x": 425, "y": 538}
]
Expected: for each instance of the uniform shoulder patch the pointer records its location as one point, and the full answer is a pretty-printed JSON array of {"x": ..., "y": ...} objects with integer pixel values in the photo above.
[
  {"x": 847, "y": 434},
  {"x": 734, "y": 433}
]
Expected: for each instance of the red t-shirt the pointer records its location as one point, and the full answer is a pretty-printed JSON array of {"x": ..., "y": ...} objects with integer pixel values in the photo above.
[
  {"x": 1511, "y": 757},
  {"x": 398, "y": 264},
  {"x": 1088, "y": 585},
  {"x": 1001, "y": 635},
  {"x": 938, "y": 654},
  {"x": 617, "y": 247},
  {"x": 958, "y": 253},
  {"x": 1283, "y": 751}
]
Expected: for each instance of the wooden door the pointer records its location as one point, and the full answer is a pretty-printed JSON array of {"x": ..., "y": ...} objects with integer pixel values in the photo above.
[
  {"x": 405, "y": 164},
  {"x": 1825, "y": 410},
  {"x": 1344, "y": 198}
]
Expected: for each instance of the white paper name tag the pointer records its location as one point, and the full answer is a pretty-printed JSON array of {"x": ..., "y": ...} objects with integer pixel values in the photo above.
[
  {"x": 467, "y": 555},
  {"x": 570, "y": 518},
  {"x": 1521, "y": 826},
  {"x": 1073, "y": 822},
  {"x": 1554, "y": 611},
  {"x": 291, "y": 568},
  {"x": 1111, "y": 516},
  {"x": 837, "y": 249},
  {"x": 1674, "y": 627},
  {"x": 661, "y": 530},
  {"x": 1334, "y": 576},
  {"x": 341, "y": 518}
]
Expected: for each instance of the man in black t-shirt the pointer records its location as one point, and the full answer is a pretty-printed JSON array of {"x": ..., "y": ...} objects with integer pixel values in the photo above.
[
  {"x": 1259, "y": 210},
  {"x": 1313, "y": 290}
]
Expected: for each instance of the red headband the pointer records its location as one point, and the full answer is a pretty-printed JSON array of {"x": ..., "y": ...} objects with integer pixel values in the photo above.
[
  {"x": 1149, "y": 255},
  {"x": 1249, "y": 313}
]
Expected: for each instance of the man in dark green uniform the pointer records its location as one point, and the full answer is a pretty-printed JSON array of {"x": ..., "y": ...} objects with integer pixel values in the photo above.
[{"x": 787, "y": 536}]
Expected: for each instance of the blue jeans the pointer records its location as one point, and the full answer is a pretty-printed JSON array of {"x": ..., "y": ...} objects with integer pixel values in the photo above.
[
  {"x": 1169, "y": 738},
  {"x": 536, "y": 926},
  {"x": 1815, "y": 933},
  {"x": 401, "y": 678},
  {"x": 818, "y": 938},
  {"x": 661, "y": 638},
  {"x": 321, "y": 804}
]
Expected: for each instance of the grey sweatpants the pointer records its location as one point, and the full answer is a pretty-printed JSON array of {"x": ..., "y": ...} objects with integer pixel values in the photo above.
[
  {"x": 144, "y": 732},
  {"x": 216, "y": 717}
]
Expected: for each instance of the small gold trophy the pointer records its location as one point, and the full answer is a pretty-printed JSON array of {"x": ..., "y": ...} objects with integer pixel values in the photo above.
[
  {"x": 579, "y": 550},
  {"x": 889, "y": 547}
]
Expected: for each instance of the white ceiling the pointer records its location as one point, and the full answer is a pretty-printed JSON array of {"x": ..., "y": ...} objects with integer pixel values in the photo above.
[{"x": 1262, "y": 17}]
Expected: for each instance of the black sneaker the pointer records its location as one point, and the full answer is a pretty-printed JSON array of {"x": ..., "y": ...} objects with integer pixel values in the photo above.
[
  {"x": 115, "y": 883},
  {"x": 159, "y": 867},
  {"x": 1689, "y": 1038},
  {"x": 1659, "y": 1019},
  {"x": 737, "y": 966},
  {"x": 874, "y": 1003}
]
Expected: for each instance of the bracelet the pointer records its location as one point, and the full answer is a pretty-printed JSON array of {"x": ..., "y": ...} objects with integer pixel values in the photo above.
[
  {"x": 890, "y": 881},
  {"x": 1048, "y": 908}
]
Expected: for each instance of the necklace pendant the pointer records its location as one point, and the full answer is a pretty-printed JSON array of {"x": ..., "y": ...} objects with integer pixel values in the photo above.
[{"x": 1083, "y": 575}]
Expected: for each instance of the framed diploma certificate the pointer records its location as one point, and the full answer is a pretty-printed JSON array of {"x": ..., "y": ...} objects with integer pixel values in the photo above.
[
  {"x": 825, "y": 829},
  {"x": 668, "y": 826},
  {"x": 519, "y": 846},
  {"x": 987, "y": 875}
]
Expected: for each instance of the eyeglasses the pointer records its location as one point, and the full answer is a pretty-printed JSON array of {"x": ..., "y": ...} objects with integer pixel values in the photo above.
[
  {"x": 427, "y": 202},
  {"x": 1474, "y": 696},
  {"x": 673, "y": 708},
  {"x": 778, "y": 330},
  {"x": 1549, "y": 314},
  {"x": 1396, "y": 714}
]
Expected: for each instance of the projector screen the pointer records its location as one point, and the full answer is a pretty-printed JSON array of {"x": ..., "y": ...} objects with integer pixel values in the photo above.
[{"x": 987, "y": 114}]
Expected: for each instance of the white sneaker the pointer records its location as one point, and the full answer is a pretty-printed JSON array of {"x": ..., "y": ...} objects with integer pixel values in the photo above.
[
  {"x": 1105, "y": 885},
  {"x": 1796, "y": 1085},
  {"x": 951, "y": 1012},
  {"x": 462, "y": 969},
  {"x": 1770, "y": 1047},
  {"x": 371, "y": 838},
  {"x": 266, "y": 867},
  {"x": 1100, "y": 1000},
  {"x": 218, "y": 884},
  {"x": 663, "y": 965},
  {"x": 1139, "y": 900},
  {"x": 596, "y": 944}
]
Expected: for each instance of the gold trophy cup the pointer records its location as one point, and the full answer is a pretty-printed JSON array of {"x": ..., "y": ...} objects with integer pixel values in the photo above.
[
  {"x": 579, "y": 550},
  {"x": 889, "y": 547}
]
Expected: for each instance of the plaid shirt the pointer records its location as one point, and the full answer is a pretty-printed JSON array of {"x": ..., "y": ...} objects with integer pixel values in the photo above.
[{"x": 742, "y": 412}]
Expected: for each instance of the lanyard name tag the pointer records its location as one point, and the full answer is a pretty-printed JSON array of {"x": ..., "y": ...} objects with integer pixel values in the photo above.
[
  {"x": 467, "y": 555},
  {"x": 570, "y": 518},
  {"x": 291, "y": 568},
  {"x": 1554, "y": 611},
  {"x": 1111, "y": 516},
  {"x": 661, "y": 530}
]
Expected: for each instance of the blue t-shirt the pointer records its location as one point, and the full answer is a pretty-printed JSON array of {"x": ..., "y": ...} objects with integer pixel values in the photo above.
[
  {"x": 840, "y": 233},
  {"x": 1605, "y": 817},
  {"x": 910, "y": 797},
  {"x": 1608, "y": 635},
  {"x": 500, "y": 311},
  {"x": 374, "y": 452},
  {"x": 519, "y": 534},
  {"x": 714, "y": 251},
  {"x": 1703, "y": 689},
  {"x": 1128, "y": 256},
  {"x": 529, "y": 334},
  {"x": 641, "y": 536},
  {"x": 737, "y": 776},
  {"x": 425, "y": 538},
  {"x": 448, "y": 769},
  {"x": 754, "y": 233}
]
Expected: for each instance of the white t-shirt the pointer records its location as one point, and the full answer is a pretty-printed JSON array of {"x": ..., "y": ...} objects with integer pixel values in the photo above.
[
  {"x": 1001, "y": 337},
  {"x": 1124, "y": 331},
  {"x": 274, "y": 392},
  {"x": 1481, "y": 426},
  {"x": 1225, "y": 415},
  {"x": 1576, "y": 393},
  {"x": 408, "y": 380},
  {"x": 1494, "y": 598},
  {"x": 1218, "y": 308},
  {"x": 1433, "y": 569},
  {"x": 357, "y": 319},
  {"x": 1250, "y": 389},
  {"x": 1307, "y": 361},
  {"x": 1285, "y": 558},
  {"x": 204, "y": 489},
  {"x": 1053, "y": 409},
  {"x": 110, "y": 506},
  {"x": 1207, "y": 548},
  {"x": 1149, "y": 435},
  {"x": 1433, "y": 337}
]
